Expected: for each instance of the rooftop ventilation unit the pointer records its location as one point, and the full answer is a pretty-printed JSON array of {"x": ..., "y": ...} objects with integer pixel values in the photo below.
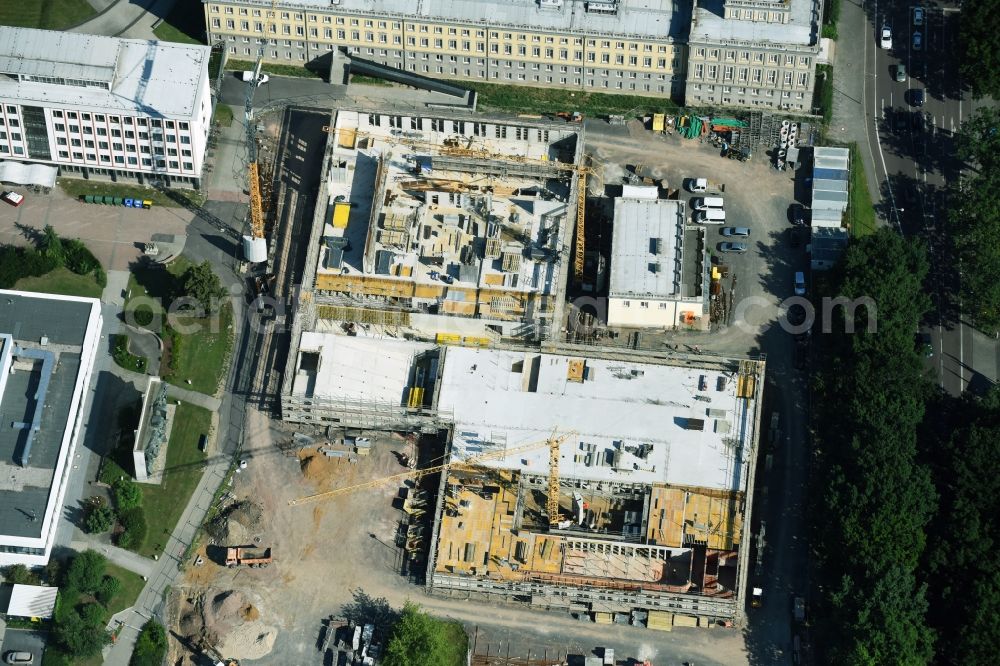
[
  {"x": 602, "y": 6},
  {"x": 550, "y": 4}
]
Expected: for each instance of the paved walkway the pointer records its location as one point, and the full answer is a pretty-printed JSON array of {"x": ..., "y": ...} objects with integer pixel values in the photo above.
[
  {"x": 126, "y": 18},
  {"x": 210, "y": 403},
  {"x": 165, "y": 571},
  {"x": 124, "y": 558}
]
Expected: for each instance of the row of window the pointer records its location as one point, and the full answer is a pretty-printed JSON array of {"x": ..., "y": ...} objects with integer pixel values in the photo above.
[
  {"x": 549, "y": 53},
  {"x": 752, "y": 92},
  {"x": 643, "y": 304},
  {"x": 748, "y": 75},
  {"x": 773, "y": 59},
  {"x": 157, "y": 134},
  {"x": 128, "y": 147},
  {"x": 125, "y": 120},
  {"x": 126, "y": 160}
]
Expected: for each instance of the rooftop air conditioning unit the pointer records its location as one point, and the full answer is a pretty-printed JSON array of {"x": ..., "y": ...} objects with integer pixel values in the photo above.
[
  {"x": 550, "y": 4},
  {"x": 602, "y": 6}
]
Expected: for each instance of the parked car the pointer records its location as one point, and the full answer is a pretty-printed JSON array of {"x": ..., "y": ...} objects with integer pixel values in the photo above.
[
  {"x": 203, "y": 443},
  {"x": 248, "y": 74},
  {"x": 736, "y": 231},
  {"x": 900, "y": 72},
  {"x": 19, "y": 657},
  {"x": 900, "y": 116},
  {"x": 918, "y": 121},
  {"x": 885, "y": 38},
  {"x": 924, "y": 344},
  {"x": 13, "y": 198},
  {"x": 738, "y": 248},
  {"x": 800, "y": 283},
  {"x": 918, "y": 16},
  {"x": 918, "y": 41},
  {"x": 797, "y": 214},
  {"x": 917, "y": 97}
]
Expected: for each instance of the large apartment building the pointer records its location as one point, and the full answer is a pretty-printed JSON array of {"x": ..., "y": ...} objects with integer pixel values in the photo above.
[
  {"x": 104, "y": 106},
  {"x": 617, "y": 46}
]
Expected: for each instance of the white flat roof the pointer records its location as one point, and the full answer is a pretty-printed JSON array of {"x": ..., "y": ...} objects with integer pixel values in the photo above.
[
  {"x": 32, "y": 601},
  {"x": 146, "y": 78},
  {"x": 646, "y": 248},
  {"x": 359, "y": 368},
  {"x": 505, "y": 399},
  {"x": 709, "y": 25}
]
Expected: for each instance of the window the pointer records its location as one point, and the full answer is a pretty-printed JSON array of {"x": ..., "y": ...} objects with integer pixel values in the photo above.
[
  {"x": 788, "y": 78},
  {"x": 72, "y": 128},
  {"x": 64, "y": 154},
  {"x": 103, "y": 145},
  {"x": 59, "y": 140},
  {"x": 60, "y": 127},
  {"x": 119, "y": 159},
  {"x": 57, "y": 114},
  {"x": 146, "y": 162},
  {"x": 803, "y": 80},
  {"x": 713, "y": 71}
]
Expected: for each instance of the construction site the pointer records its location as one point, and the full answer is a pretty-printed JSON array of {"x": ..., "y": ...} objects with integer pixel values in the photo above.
[
  {"x": 605, "y": 485},
  {"x": 445, "y": 225}
]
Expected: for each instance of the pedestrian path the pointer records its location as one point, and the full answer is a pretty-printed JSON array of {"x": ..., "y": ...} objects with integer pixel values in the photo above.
[{"x": 124, "y": 558}]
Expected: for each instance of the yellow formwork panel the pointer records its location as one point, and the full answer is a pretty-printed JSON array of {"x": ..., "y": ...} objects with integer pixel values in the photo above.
[
  {"x": 341, "y": 214},
  {"x": 448, "y": 338}
]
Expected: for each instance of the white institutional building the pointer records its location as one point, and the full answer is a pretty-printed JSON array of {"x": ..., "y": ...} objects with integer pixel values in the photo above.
[{"x": 117, "y": 108}]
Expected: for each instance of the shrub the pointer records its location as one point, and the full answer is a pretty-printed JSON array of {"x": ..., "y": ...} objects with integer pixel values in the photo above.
[
  {"x": 107, "y": 590},
  {"x": 81, "y": 633},
  {"x": 86, "y": 571},
  {"x": 100, "y": 519},
  {"x": 151, "y": 646},
  {"x": 143, "y": 316},
  {"x": 127, "y": 495},
  {"x": 134, "y": 528},
  {"x": 18, "y": 574}
]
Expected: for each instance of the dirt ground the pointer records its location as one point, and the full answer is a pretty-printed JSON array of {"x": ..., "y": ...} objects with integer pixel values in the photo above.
[{"x": 321, "y": 550}]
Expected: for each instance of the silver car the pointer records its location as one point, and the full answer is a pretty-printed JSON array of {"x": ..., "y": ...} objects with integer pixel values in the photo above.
[
  {"x": 733, "y": 247},
  {"x": 743, "y": 232}
]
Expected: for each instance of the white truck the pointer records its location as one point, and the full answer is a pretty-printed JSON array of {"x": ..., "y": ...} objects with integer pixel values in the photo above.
[{"x": 705, "y": 186}]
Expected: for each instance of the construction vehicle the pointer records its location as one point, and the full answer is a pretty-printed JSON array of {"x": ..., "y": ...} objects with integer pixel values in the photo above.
[
  {"x": 705, "y": 186},
  {"x": 575, "y": 117},
  {"x": 552, "y": 505},
  {"x": 659, "y": 122},
  {"x": 248, "y": 556}
]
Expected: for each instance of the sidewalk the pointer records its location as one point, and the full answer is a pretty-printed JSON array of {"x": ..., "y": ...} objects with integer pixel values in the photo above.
[
  {"x": 123, "y": 558},
  {"x": 124, "y": 18},
  {"x": 210, "y": 403},
  {"x": 165, "y": 571}
]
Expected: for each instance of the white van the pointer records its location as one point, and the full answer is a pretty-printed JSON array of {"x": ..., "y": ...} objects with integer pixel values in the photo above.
[
  {"x": 248, "y": 76},
  {"x": 704, "y": 203},
  {"x": 709, "y": 216}
]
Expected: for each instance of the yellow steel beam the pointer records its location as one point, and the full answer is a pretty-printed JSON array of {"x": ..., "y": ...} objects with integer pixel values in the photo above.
[
  {"x": 256, "y": 204},
  {"x": 581, "y": 202}
]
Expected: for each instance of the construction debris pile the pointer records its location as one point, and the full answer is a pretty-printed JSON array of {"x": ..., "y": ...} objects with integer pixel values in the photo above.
[
  {"x": 238, "y": 523},
  {"x": 226, "y": 622}
]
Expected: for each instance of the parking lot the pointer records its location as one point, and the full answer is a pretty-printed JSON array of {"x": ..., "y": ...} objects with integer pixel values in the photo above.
[
  {"x": 114, "y": 234},
  {"x": 23, "y": 640},
  {"x": 756, "y": 196}
]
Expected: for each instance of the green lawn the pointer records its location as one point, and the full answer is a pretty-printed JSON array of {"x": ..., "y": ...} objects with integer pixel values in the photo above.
[
  {"x": 132, "y": 585},
  {"x": 223, "y": 114},
  {"x": 201, "y": 355},
  {"x": 164, "y": 504},
  {"x": 173, "y": 198},
  {"x": 860, "y": 211},
  {"x": 185, "y": 24},
  {"x": 61, "y": 281},
  {"x": 459, "y": 641},
  {"x": 524, "y": 99},
  {"x": 274, "y": 69},
  {"x": 124, "y": 358},
  {"x": 49, "y": 14}
]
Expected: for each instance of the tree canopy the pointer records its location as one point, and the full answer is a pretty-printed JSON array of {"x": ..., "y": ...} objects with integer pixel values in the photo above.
[
  {"x": 151, "y": 646},
  {"x": 979, "y": 63},
  {"x": 202, "y": 284},
  {"x": 86, "y": 571},
  {"x": 874, "y": 497},
  {"x": 418, "y": 639}
]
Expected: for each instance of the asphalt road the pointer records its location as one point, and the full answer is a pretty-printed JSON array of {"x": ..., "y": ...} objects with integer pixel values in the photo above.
[
  {"x": 24, "y": 640},
  {"x": 913, "y": 149}
]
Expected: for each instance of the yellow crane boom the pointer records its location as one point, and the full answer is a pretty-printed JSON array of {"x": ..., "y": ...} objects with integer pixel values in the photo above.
[{"x": 552, "y": 442}]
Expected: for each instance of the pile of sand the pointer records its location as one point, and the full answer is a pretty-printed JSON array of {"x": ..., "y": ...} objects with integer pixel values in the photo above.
[
  {"x": 252, "y": 640},
  {"x": 238, "y": 524}
]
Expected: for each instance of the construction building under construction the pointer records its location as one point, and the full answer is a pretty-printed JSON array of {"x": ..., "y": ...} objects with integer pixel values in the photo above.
[{"x": 603, "y": 484}]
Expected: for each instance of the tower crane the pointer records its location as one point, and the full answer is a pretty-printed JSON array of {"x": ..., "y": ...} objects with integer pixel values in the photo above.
[
  {"x": 255, "y": 245},
  {"x": 552, "y": 506}
]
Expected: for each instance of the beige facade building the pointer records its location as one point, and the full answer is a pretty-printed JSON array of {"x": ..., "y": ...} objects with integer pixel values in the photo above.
[
  {"x": 622, "y": 46},
  {"x": 753, "y": 53},
  {"x": 734, "y": 53}
]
